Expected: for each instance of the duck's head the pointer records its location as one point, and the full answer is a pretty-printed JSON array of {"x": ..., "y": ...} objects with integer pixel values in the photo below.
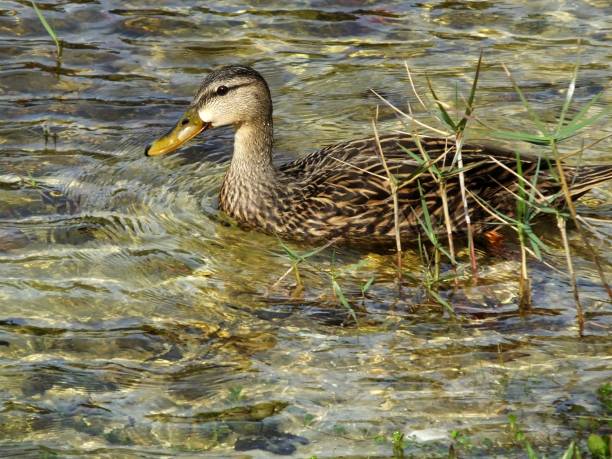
[{"x": 233, "y": 95}]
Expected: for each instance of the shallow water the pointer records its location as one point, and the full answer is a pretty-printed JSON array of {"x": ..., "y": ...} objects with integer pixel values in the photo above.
[{"x": 134, "y": 322}]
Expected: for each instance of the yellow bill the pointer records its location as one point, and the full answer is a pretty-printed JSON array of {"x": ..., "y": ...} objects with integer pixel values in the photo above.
[{"x": 187, "y": 128}]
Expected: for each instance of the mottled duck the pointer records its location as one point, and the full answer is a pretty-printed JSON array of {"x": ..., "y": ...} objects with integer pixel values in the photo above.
[{"x": 343, "y": 192}]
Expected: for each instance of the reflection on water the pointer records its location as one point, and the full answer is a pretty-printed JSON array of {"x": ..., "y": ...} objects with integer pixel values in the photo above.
[{"x": 135, "y": 321}]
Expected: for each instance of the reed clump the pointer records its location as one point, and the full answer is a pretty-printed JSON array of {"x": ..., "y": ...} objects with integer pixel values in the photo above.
[
  {"x": 530, "y": 201},
  {"x": 436, "y": 245}
]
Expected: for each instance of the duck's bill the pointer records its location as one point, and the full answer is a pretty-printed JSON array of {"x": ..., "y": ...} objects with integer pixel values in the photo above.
[{"x": 187, "y": 128}]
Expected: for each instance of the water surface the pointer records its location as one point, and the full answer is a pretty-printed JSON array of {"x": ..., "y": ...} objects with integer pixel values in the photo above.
[{"x": 134, "y": 322}]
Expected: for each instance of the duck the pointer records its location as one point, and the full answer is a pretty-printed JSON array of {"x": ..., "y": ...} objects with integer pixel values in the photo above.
[{"x": 373, "y": 190}]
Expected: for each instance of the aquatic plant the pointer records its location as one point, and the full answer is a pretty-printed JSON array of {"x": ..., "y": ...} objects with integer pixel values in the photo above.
[
  {"x": 49, "y": 29},
  {"x": 551, "y": 138},
  {"x": 530, "y": 202},
  {"x": 597, "y": 447}
]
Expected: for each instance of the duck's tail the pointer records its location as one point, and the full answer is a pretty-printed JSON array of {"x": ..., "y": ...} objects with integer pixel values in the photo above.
[{"x": 582, "y": 179}]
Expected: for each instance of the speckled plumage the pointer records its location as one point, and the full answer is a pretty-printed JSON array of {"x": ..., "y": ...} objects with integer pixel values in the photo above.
[{"x": 342, "y": 191}]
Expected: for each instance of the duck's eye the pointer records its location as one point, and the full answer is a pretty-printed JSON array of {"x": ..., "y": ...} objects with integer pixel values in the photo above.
[
  {"x": 222, "y": 90},
  {"x": 184, "y": 121}
]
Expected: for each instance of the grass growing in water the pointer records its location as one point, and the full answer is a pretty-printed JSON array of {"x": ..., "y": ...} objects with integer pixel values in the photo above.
[
  {"x": 458, "y": 127},
  {"x": 596, "y": 445},
  {"x": 297, "y": 259},
  {"x": 552, "y": 138},
  {"x": 49, "y": 29},
  {"x": 530, "y": 202}
]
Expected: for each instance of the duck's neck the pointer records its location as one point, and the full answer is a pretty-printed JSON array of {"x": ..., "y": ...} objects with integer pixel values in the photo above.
[
  {"x": 250, "y": 183},
  {"x": 253, "y": 151}
]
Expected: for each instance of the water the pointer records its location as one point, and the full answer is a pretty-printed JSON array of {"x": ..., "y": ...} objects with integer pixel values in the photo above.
[{"x": 135, "y": 323}]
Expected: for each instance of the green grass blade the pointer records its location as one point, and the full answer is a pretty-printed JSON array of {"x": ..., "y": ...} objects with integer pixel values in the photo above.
[
  {"x": 531, "y": 454},
  {"x": 469, "y": 109},
  {"x": 536, "y": 139},
  {"x": 583, "y": 111},
  {"x": 419, "y": 159},
  {"x": 569, "y": 452},
  {"x": 297, "y": 256},
  {"x": 456, "y": 99},
  {"x": 570, "y": 95},
  {"x": 425, "y": 163},
  {"x": 534, "y": 181},
  {"x": 533, "y": 115},
  {"x": 343, "y": 301},
  {"x": 426, "y": 218},
  {"x": 365, "y": 287},
  {"x": 48, "y": 28},
  {"x": 505, "y": 218},
  {"x": 537, "y": 207},
  {"x": 291, "y": 253},
  {"x": 443, "y": 113},
  {"x": 536, "y": 244},
  {"x": 575, "y": 125},
  {"x": 441, "y": 301},
  {"x": 427, "y": 225},
  {"x": 521, "y": 207},
  {"x": 313, "y": 252}
]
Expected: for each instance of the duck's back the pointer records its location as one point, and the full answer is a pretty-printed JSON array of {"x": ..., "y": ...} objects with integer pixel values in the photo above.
[{"x": 344, "y": 190}]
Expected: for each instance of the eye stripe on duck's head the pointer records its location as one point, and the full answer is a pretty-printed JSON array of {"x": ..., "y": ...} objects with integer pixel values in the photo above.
[
  {"x": 217, "y": 91},
  {"x": 233, "y": 95},
  {"x": 229, "y": 77}
]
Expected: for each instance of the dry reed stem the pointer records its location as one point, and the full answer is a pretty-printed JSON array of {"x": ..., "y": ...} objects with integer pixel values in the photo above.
[
  {"x": 406, "y": 115},
  {"x": 466, "y": 210},
  {"x": 522, "y": 179},
  {"x": 393, "y": 189},
  {"x": 447, "y": 219},
  {"x": 581, "y": 149},
  {"x": 414, "y": 89},
  {"x": 296, "y": 273},
  {"x": 276, "y": 284},
  {"x": 524, "y": 282},
  {"x": 566, "y": 191},
  {"x": 439, "y": 180},
  {"x": 572, "y": 275},
  {"x": 360, "y": 169},
  {"x": 423, "y": 136},
  {"x": 442, "y": 187},
  {"x": 585, "y": 221},
  {"x": 486, "y": 209},
  {"x": 509, "y": 191},
  {"x": 572, "y": 208}
]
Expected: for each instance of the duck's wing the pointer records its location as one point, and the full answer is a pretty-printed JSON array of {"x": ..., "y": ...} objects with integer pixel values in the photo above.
[
  {"x": 401, "y": 152},
  {"x": 347, "y": 186}
]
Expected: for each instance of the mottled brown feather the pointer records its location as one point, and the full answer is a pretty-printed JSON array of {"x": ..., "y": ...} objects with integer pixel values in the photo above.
[{"x": 342, "y": 191}]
